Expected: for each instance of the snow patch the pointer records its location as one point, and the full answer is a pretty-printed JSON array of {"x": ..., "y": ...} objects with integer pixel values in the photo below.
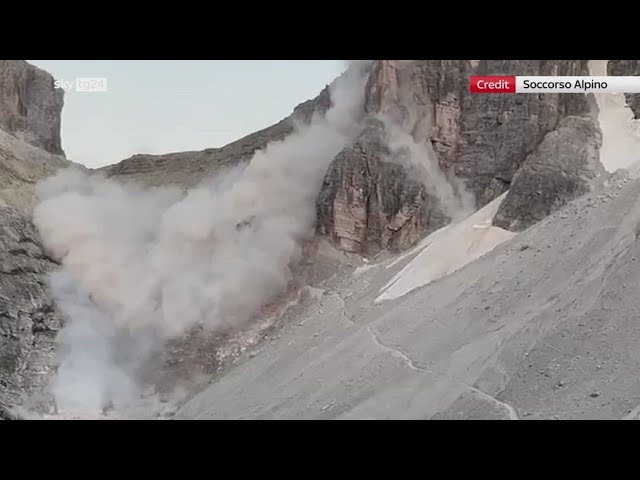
[
  {"x": 447, "y": 250},
  {"x": 422, "y": 245}
]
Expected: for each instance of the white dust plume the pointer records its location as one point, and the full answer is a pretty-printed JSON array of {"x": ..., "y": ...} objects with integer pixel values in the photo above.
[
  {"x": 410, "y": 127},
  {"x": 143, "y": 266},
  {"x": 421, "y": 161}
]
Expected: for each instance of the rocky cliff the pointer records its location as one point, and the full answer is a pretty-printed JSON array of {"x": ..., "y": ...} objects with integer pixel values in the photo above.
[
  {"x": 30, "y": 106},
  {"x": 368, "y": 203},
  {"x": 28, "y": 321},
  {"x": 30, "y": 150},
  {"x": 377, "y": 194},
  {"x": 563, "y": 167},
  {"x": 479, "y": 139},
  {"x": 21, "y": 166},
  {"x": 626, "y": 68}
]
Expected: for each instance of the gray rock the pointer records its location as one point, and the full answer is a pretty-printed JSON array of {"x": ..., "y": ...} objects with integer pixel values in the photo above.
[
  {"x": 498, "y": 132},
  {"x": 30, "y": 106},
  {"x": 626, "y": 68},
  {"x": 319, "y": 105},
  {"x": 28, "y": 322},
  {"x": 29, "y": 150},
  {"x": 564, "y": 166},
  {"x": 368, "y": 203},
  {"x": 21, "y": 166},
  {"x": 481, "y": 138},
  {"x": 7, "y": 414}
]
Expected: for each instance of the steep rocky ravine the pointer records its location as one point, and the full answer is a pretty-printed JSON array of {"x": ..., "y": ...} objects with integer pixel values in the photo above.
[{"x": 428, "y": 151}]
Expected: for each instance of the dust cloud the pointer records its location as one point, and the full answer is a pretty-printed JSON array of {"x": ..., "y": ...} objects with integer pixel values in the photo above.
[
  {"x": 143, "y": 266},
  {"x": 140, "y": 267},
  {"x": 421, "y": 161}
]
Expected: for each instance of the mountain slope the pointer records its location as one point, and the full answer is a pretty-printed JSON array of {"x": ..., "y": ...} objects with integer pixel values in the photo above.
[
  {"x": 29, "y": 323},
  {"x": 542, "y": 327},
  {"x": 233, "y": 265}
]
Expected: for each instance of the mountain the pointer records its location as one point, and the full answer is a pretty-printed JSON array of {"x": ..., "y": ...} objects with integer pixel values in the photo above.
[
  {"x": 396, "y": 248},
  {"x": 30, "y": 150}
]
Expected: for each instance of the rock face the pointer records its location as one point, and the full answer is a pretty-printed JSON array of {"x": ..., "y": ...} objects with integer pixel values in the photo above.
[
  {"x": 480, "y": 139},
  {"x": 30, "y": 106},
  {"x": 498, "y": 132},
  {"x": 28, "y": 322},
  {"x": 30, "y": 150},
  {"x": 319, "y": 105},
  {"x": 563, "y": 167},
  {"x": 21, "y": 166},
  {"x": 625, "y": 68},
  {"x": 368, "y": 203}
]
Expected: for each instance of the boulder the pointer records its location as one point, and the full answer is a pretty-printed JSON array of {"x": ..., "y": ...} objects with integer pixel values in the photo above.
[{"x": 563, "y": 167}]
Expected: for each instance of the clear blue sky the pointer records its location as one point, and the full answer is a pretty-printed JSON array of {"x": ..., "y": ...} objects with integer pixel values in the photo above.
[{"x": 163, "y": 106}]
